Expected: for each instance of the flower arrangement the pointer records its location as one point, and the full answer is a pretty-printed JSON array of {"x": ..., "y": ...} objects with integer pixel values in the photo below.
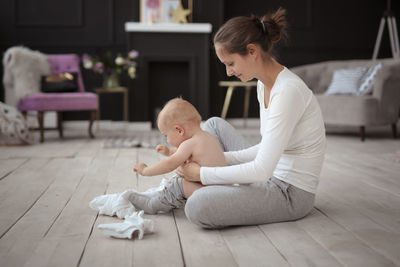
[{"x": 111, "y": 67}]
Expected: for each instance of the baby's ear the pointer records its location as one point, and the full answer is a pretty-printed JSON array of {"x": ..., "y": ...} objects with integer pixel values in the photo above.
[{"x": 179, "y": 129}]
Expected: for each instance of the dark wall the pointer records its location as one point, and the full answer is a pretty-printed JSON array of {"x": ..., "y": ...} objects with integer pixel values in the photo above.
[{"x": 319, "y": 30}]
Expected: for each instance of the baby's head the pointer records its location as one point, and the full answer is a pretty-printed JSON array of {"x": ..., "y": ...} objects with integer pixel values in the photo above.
[
  {"x": 177, "y": 118},
  {"x": 178, "y": 111}
]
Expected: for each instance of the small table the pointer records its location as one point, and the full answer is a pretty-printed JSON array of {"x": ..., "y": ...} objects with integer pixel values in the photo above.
[
  {"x": 113, "y": 90},
  {"x": 231, "y": 87}
]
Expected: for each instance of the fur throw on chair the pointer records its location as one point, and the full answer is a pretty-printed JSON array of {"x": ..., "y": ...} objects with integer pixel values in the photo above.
[{"x": 23, "y": 69}]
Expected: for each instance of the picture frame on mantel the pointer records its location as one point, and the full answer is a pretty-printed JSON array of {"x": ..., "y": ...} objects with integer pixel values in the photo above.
[
  {"x": 150, "y": 11},
  {"x": 158, "y": 11}
]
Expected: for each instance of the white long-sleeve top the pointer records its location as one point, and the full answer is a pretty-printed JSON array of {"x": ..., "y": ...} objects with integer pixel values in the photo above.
[{"x": 293, "y": 140}]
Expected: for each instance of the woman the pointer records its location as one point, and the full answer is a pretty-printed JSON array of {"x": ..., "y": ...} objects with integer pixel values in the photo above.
[{"x": 278, "y": 177}]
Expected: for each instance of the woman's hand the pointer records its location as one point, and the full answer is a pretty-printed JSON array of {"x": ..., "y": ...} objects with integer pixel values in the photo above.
[
  {"x": 163, "y": 149},
  {"x": 190, "y": 172}
]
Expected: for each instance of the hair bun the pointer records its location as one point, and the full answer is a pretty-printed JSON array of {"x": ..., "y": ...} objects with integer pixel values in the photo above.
[
  {"x": 235, "y": 34},
  {"x": 275, "y": 24}
]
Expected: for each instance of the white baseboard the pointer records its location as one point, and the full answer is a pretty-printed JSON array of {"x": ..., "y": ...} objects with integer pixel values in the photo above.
[
  {"x": 143, "y": 125},
  {"x": 49, "y": 120},
  {"x": 107, "y": 125}
]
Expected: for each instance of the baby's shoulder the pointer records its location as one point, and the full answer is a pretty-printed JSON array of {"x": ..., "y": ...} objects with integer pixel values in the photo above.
[
  {"x": 199, "y": 140},
  {"x": 206, "y": 137}
]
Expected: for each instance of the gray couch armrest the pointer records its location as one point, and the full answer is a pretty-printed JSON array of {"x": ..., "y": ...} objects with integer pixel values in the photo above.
[
  {"x": 387, "y": 90},
  {"x": 316, "y": 76}
]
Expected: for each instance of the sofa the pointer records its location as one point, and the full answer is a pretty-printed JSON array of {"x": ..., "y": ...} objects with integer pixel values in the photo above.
[{"x": 381, "y": 107}]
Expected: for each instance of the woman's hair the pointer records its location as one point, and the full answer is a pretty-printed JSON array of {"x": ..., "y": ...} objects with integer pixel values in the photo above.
[
  {"x": 238, "y": 32},
  {"x": 179, "y": 111}
]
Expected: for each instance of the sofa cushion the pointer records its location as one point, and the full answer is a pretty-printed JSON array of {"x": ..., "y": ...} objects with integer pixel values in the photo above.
[
  {"x": 346, "y": 81},
  {"x": 59, "y": 102},
  {"x": 367, "y": 81}
]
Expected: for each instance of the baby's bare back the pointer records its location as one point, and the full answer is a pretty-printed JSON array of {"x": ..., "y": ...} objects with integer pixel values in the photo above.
[{"x": 206, "y": 150}]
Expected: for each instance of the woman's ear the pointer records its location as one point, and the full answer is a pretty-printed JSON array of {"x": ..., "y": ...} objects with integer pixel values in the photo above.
[
  {"x": 179, "y": 129},
  {"x": 252, "y": 49}
]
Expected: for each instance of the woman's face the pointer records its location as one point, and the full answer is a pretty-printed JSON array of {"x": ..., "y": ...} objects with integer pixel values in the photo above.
[{"x": 235, "y": 64}]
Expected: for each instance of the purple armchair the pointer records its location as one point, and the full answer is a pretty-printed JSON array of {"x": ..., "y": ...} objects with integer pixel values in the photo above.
[{"x": 61, "y": 102}]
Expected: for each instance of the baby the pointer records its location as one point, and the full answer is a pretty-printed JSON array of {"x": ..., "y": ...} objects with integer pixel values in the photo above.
[{"x": 179, "y": 121}]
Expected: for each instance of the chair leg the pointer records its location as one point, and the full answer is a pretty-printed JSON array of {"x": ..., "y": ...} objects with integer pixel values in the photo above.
[
  {"x": 362, "y": 133},
  {"x": 394, "y": 130},
  {"x": 246, "y": 104},
  {"x": 227, "y": 101},
  {"x": 93, "y": 116},
  {"x": 60, "y": 124},
  {"x": 40, "y": 116}
]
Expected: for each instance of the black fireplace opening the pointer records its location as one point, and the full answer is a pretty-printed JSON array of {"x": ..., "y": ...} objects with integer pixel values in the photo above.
[
  {"x": 167, "y": 80},
  {"x": 170, "y": 64}
]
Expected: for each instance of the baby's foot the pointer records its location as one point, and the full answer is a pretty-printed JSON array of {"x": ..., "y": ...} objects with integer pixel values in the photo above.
[
  {"x": 171, "y": 197},
  {"x": 149, "y": 203}
]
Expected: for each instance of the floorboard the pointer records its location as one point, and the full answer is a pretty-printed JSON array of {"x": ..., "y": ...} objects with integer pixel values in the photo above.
[
  {"x": 376, "y": 204},
  {"x": 374, "y": 235},
  {"x": 112, "y": 252},
  {"x": 20, "y": 190},
  {"x": 165, "y": 242},
  {"x": 18, "y": 244},
  {"x": 45, "y": 219},
  {"x": 251, "y": 247},
  {"x": 297, "y": 246},
  {"x": 74, "y": 226},
  {"x": 344, "y": 246},
  {"x": 9, "y": 165},
  {"x": 388, "y": 179},
  {"x": 202, "y": 247}
]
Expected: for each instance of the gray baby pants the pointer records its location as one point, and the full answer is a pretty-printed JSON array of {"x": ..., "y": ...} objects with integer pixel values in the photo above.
[{"x": 219, "y": 206}]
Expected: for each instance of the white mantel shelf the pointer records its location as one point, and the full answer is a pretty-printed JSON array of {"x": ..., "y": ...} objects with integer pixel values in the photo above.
[{"x": 168, "y": 27}]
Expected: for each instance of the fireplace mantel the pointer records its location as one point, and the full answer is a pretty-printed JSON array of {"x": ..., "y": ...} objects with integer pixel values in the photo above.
[
  {"x": 168, "y": 27},
  {"x": 173, "y": 61}
]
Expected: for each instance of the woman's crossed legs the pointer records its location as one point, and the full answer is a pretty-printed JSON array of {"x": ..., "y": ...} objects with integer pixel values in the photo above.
[{"x": 258, "y": 203}]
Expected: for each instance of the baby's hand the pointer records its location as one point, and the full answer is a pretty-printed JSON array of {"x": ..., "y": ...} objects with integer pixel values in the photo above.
[
  {"x": 139, "y": 168},
  {"x": 163, "y": 149}
]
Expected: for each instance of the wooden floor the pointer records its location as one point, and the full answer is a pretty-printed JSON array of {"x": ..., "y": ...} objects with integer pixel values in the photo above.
[{"x": 45, "y": 219}]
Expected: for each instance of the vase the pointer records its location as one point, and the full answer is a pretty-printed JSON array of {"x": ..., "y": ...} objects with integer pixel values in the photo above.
[{"x": 111, "y": 80}]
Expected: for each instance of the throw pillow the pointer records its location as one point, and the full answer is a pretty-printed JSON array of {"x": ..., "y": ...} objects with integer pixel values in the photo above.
[
  {"x": 346, "y": 81},
  {"x": 60, "y": 83},
  {"x": 367, "y": 81}
]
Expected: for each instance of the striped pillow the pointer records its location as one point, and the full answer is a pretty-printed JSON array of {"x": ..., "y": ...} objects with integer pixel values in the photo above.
[
  {"x": 346, "y": 81},
  {"x": 367, "y": 81}
]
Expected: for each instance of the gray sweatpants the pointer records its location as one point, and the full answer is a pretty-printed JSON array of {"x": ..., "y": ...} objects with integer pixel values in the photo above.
[{"x": 258, "y": 203}]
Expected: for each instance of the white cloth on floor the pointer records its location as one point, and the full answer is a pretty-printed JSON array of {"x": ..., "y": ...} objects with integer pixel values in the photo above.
[
  {"x": 119, "y": 205},
  {"x": 113, "y": 204},
  {"x": 132, "y": 223}
]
